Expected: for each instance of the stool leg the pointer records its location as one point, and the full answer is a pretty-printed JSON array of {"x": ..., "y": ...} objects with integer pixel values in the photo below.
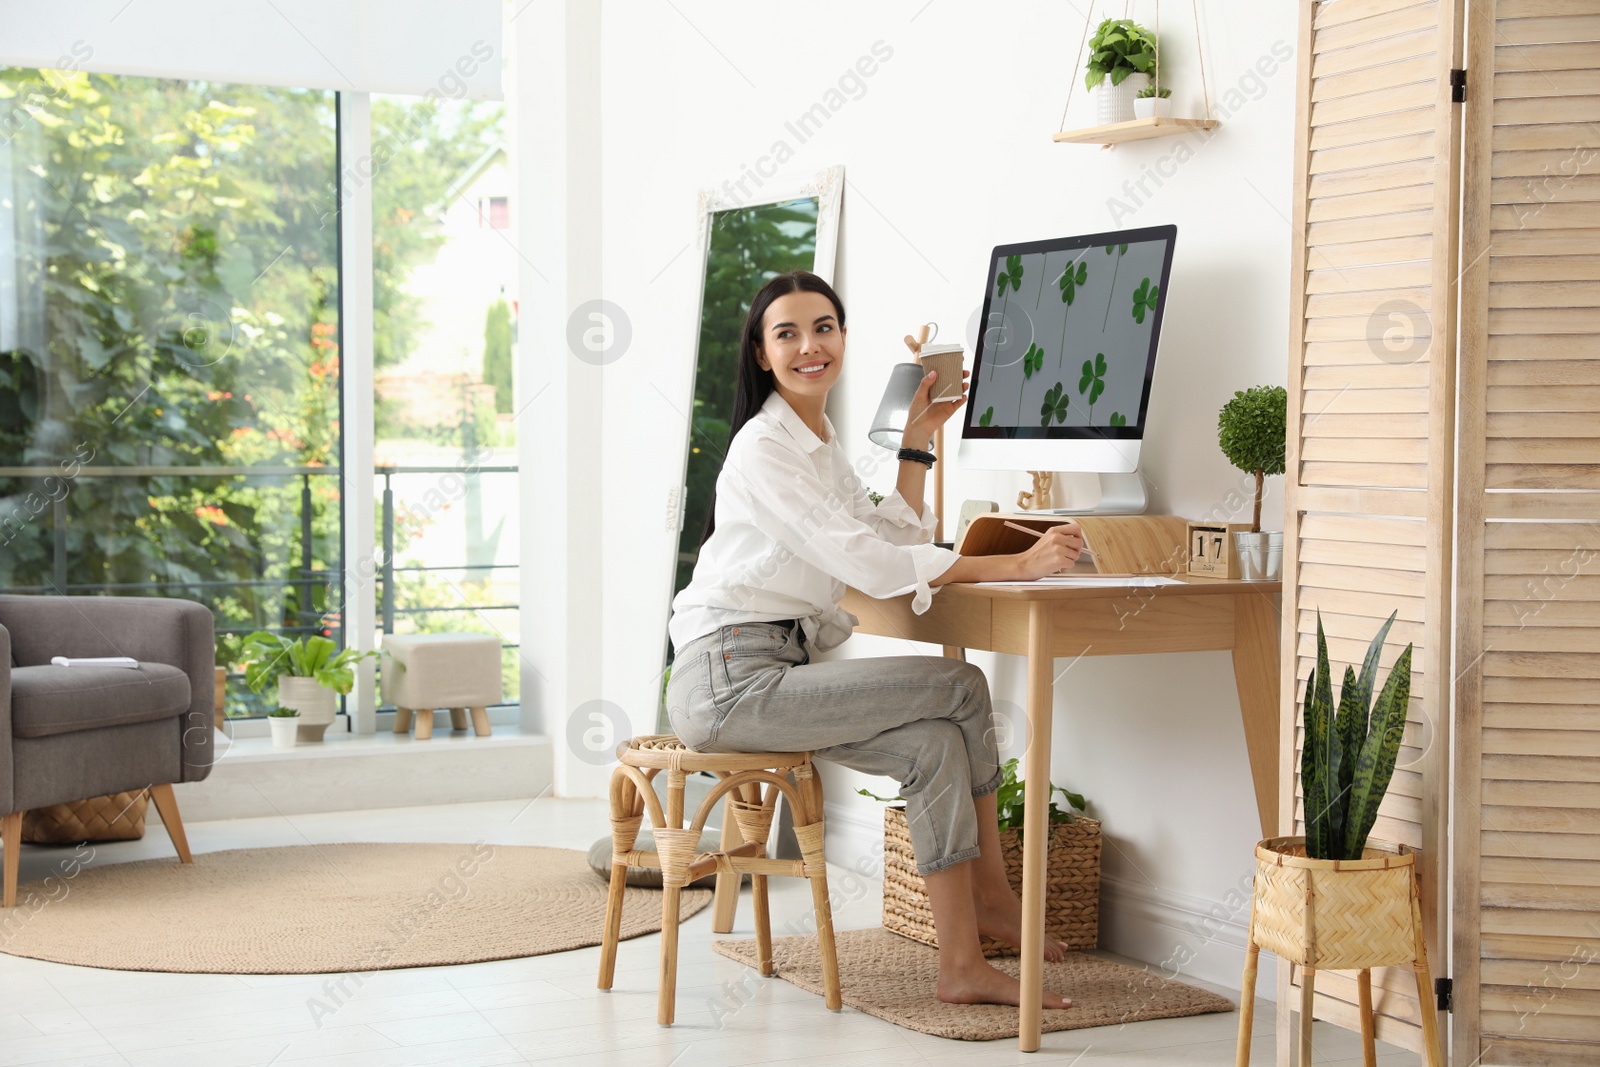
[
  {"x": 758, "y": 887},
  {"x": 726, "y": 901},
  {"x": 480, "y": 721},
  {"x": 458, "y": 718},
  {"x": 11, "y": 842},
  {"x": 402, "y": 720},
  {"x": 1369, "y": 1050},
  {"x": 672, "y": 845},
  {"x": 811, "y": 847},
  {"x": 1247, "y": 1000},
  {"x": 1308, "y": 996},
  {"x": 627, "y": 810},
  {"x": 424, "y": 724}
]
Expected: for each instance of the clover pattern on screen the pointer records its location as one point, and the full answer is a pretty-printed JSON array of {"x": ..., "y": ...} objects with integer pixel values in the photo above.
[{"x": 1067, "y": 340}]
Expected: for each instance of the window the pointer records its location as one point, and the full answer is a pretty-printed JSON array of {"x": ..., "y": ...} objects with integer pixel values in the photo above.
[
  {"x": 444, "y": 334},
  {"x": 169, "y": 347}
]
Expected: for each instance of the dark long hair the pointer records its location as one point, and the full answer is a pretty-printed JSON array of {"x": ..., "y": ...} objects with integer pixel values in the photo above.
[{"x": 753, "y": 385}]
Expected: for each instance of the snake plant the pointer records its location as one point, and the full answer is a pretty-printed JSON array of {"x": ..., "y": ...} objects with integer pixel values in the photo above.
[{"x": 1350, "y": 753}]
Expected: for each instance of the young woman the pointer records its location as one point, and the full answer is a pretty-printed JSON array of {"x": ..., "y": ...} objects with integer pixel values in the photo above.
[{"x": 791, "y": 526}]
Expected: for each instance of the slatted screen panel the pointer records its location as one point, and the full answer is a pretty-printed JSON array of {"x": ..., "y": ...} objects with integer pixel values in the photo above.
[
  {"x": 1371, "y": 389},
  {"x": 1528, "y": 702}
]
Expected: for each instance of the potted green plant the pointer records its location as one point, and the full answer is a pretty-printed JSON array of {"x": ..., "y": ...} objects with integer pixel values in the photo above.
[
  {"x": 1333, "y": 899},
  {"x": 1121, "y": 56},
  {"x": 1151, "y": 101},
  {"x": 284, "y": 723},
  {"x": 1252, "y": 430},
  {"x": 307, "y": 671},
  {"x": 1072, "y": 876}
]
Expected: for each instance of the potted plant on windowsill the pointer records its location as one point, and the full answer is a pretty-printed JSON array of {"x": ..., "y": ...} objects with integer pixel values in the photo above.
[
  {"x": 284, "y": 723},
  {"x": 1252, "y": 432},
  {"x": 1072, "y": 876},
  {"x": 308, "y": 673},
  {"x": 1151, "y": 101},
  {"x": 1332, "y": 899},
  {"x": 1121, "y": 56}
]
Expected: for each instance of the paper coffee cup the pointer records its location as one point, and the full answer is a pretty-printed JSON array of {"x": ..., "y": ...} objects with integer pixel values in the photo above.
[{"x": 946, "y": 360}]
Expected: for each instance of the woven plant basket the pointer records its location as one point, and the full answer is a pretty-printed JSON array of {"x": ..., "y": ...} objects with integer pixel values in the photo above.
[
  {"x": 1071, "y": 892},
  {"x": 1360, "y": 911},
  {"x": 118, "y": 817}
]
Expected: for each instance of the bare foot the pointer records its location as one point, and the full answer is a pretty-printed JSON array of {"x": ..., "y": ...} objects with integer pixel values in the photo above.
[
  {"x": 1002, "y": 920},
  {"x": 983, "y": 984}
]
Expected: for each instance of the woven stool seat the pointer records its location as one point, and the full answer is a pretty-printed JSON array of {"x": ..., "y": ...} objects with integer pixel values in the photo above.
[
  {"x": 663, "y": 751},
  {"x": 748, "y": 787}
]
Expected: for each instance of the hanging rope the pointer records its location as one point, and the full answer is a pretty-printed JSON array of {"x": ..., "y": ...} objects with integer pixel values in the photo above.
[
  {"x": 1087, "y": 18},
  {"x": 1205, "y": 93}
]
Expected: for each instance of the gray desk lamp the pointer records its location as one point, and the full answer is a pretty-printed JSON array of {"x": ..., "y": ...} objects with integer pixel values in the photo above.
[{"x": 889, "y": 424}]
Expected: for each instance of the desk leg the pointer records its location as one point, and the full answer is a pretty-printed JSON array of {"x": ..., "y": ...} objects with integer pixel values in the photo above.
[
  {"x": 1255, "y": 673},
  {"x": 1036, "y": 836},
  {"x": 955, "y": 652}
]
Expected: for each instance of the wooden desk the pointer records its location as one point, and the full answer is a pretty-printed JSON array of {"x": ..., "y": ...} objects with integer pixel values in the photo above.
[{"x": 1046, "y": 622}]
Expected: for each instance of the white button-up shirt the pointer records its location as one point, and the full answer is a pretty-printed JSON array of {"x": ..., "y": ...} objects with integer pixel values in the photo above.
[{"x": 794, "y": 527}]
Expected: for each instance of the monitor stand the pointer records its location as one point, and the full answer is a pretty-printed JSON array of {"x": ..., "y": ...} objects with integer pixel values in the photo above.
[{"x": 1099, "y": 494}]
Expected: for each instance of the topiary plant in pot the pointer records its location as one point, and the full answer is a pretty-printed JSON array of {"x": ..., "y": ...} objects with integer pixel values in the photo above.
[{"x": 1252, "y": 430}]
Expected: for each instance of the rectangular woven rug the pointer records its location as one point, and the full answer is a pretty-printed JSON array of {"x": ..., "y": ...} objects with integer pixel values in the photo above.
[{"x": 895, "y": 978}]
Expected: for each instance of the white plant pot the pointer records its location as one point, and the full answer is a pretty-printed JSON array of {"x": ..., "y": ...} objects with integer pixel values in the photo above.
[
  {"x": 1147, "y": 107},
  {"x": 314, "y": 703},
  {"x": 1114, "y": 103},
  {"x": 283, "y": 731},
  {"x": 1260, "y": 556}
]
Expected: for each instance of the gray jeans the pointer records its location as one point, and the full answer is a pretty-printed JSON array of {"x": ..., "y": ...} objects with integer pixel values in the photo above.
[{"x": 922, "y": 720}]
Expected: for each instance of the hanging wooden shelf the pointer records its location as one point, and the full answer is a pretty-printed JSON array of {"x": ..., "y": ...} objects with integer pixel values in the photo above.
[{"x": 1136, "y": 130}]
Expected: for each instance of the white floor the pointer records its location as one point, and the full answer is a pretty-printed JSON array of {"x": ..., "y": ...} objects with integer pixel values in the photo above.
[{"x": 540, "y": 1010}]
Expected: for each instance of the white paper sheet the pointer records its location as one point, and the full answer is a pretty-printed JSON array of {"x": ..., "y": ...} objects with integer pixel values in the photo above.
[{"x": 1092, "y": 581}]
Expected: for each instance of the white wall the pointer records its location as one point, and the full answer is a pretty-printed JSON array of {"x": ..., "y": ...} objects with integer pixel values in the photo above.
[{"x": 947, "y": 152}]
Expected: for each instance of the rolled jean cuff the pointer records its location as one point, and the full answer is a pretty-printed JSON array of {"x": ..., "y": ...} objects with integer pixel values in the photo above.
[
  {"x": 951, "y": 860},
  {"x": 994, "y": 783}
]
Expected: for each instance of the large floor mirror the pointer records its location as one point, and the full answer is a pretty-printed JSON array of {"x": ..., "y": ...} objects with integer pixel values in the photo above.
[{"x": 743, "y": 244}]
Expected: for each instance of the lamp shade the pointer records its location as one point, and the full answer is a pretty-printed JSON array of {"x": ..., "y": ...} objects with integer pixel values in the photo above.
[{"x": 889, "y": 424}]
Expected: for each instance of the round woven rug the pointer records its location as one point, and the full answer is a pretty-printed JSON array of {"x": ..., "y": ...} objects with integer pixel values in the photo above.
[{"x": 316, "y": 909}]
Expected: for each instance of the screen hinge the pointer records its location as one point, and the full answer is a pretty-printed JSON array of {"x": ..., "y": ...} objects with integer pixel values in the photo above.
[
  {"x": 1458, "y": 85},
  {"x": 1444, "y": 990}
]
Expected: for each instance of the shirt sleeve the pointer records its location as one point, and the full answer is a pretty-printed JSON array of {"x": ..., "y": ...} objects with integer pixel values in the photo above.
[
  {"x": 788, "y": 502},
  {"x": 894, "y": 520}
]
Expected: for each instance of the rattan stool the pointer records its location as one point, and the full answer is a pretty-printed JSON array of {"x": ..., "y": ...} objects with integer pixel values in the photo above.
[{"x": 749, "y": 786}]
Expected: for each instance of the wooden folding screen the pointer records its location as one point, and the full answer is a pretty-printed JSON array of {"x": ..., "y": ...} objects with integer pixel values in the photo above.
[
  {"x": 1527, "y": 797},
  {"x": 1371, "y": 412}
]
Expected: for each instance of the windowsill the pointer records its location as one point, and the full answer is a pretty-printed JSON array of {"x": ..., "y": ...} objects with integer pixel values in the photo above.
[{"x": 254, "y": 748}]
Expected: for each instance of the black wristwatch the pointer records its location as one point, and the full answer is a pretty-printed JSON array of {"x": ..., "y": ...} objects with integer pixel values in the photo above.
[{"x": 915, "y": 455}]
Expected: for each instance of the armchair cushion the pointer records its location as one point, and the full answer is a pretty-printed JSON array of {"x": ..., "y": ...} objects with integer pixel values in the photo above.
[{"x": 59, "y": 700}]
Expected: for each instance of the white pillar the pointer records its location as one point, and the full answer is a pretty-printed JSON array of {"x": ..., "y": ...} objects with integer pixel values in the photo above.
[
  {"x": 555, "y": 150},
  {"x": 356, "y": 420}
]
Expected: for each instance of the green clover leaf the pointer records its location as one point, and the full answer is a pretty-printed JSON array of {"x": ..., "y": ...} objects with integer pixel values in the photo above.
[
  {"x": 1010, "y": 277},
  {"x": 987, "y": 415},
  {"x": 1071, "y": 280},
  {"x": 1055, "y": 406},
  {"x": 1118, "y": 419},
  {"x": 1032, "y": 360},
  {"x": 1093, "y": 380},
  {"x": 1144, "y": 299}
]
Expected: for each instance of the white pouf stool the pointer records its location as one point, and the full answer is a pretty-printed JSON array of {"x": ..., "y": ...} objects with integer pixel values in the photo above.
[{"x": 460, "y": 672}]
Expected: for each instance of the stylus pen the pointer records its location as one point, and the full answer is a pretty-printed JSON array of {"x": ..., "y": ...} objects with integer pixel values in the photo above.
[{"x": 1037, "y": 533}]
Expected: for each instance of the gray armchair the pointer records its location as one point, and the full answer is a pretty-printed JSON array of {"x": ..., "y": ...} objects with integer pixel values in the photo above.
[{"x": 69, "y": 733}]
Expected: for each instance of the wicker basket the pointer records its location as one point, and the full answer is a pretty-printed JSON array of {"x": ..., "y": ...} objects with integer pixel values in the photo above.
[
  {"x": 118, "y": 817},
  {"x": 1072, "y": 884},
  {"x": 1360, "y": 914}
]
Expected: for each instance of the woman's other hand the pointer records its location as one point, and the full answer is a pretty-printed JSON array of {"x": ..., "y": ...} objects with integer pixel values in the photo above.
[
  {"x": 927, "y": 416},
  {"x": 1056, "y": 548}
]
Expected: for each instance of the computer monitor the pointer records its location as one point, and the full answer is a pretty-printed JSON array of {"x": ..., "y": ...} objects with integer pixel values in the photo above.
[{"x": 1065, "y": 355}]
